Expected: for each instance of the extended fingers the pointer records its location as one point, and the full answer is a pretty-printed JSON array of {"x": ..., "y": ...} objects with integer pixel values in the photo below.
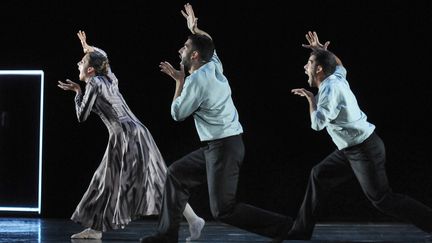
[
  {"x": 186, "y": 7},
  {"x": 308, "y": 38},
  {"x": 68, "y": 83},
  {"x": 166, "y": 65},
  {"x": 62, "y": 85},
  {"x": 189, "y": 10},
  {"x": 169, "y": 65},
  {"x": 300, "y": 92},
  {"x": 82, "y": 36},
  {"x": 315, "y": 36},
  {"x": 166, "y": 68}
]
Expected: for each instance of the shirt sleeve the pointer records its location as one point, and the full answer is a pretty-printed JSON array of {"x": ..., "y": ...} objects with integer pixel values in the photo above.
[
  {"x": 327, "y": 108},
  {"x": 215, "y": 59},
  {"x": 110, "y": 74},
  {"x": 84, "y": 103},
  {"x": 189, "y": 100},
  {"x": 340, "y": 72}
]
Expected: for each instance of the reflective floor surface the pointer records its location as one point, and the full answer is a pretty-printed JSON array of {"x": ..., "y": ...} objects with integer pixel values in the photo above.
[{"x": 59, "y": 231}]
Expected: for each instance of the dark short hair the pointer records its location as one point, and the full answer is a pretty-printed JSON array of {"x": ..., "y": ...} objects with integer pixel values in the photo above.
[
  {"x": 99, "y": 62},
  {"x": 326, "y": 59},
  {"x": 203, "y": 45}
]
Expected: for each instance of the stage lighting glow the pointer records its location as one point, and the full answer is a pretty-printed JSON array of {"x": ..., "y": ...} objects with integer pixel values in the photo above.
[{"x": 37, "y": 73}]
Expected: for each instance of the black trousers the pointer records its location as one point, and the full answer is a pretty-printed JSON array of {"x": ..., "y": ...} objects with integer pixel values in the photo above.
[
  {"x": 365, "y": 162},
  {"x": 218, "y": 164}
]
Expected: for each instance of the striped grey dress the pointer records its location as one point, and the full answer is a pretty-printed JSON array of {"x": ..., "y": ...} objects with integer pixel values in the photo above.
[{"x": 129, "y": 181}]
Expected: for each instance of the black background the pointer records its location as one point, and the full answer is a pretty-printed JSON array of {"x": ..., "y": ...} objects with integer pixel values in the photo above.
[
  {"x": 384, "y": 45},
  {"x": 19, "y": 140}
]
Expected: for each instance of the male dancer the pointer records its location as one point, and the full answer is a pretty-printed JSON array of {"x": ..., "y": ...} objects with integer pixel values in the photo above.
[
  {"x": 206, "y": 95},
  {"x": 360, "y": 153}
]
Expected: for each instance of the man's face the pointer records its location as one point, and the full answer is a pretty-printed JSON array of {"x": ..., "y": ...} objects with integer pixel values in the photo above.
[
  {"x": 185, "y": 54},
  {"x": 310, "y": 70},
  {"x": 83, "y": 68}
]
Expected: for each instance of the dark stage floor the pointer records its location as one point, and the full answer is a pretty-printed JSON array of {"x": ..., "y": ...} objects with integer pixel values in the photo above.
[{"x": 59, "y": 231}]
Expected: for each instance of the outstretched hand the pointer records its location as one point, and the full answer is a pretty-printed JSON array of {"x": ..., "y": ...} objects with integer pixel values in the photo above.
[
  {"x": 177, "y": 75},
  {"x": 69, "y": 85},
  {"x": 83, "y": 38},
  {"x": 303, "y": 92},
  {"x": 314, "y": 43},
  {"x": 192, "y": 21}
]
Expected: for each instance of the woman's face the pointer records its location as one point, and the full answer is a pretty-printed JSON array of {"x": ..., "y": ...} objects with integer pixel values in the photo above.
[{"x": 84, "y": 69}]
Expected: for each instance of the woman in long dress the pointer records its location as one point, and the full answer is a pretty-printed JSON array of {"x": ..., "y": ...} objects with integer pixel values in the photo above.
[{"x": 130, "y": 179}]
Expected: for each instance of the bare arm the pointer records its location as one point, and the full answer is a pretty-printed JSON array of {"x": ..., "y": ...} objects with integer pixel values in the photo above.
[
  {"x": 192, "y": 21},
  {"x": 315, "y": 44},
  {"x": 87, "y": 49}
]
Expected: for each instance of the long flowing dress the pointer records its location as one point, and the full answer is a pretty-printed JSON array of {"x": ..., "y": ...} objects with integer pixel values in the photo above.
[{"x": 129, "y": 180}]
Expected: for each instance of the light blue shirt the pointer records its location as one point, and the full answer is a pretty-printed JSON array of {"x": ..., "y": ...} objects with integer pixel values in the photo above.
[
  {"x": 207, "y": 95},
  {"x": 338, "y": 112}
]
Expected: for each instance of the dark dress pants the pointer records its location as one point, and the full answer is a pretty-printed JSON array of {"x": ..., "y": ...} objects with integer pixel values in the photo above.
[
  {"x": 218, "y": 163},
  {"x": 365, "y": 162}
]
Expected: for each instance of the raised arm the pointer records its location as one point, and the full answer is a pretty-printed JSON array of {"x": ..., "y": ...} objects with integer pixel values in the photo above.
[
  {"x": 88, "y": 48},
  {"x": 315, "y": 44},
  {"x": 192, "y": 21},
  {"x": 83, "y": 39}
]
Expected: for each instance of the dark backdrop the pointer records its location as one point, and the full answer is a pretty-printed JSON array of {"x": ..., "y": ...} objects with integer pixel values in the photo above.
[{"x": 384, "y": 45}]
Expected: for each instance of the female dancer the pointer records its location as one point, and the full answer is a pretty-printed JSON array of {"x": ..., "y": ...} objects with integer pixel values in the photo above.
[{"x": 130, "y": 179}]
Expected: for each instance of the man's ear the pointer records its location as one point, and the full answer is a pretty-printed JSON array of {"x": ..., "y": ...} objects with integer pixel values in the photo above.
[
  {"x": 318, "y": 69},
  {"x": 195, "y": 55}
]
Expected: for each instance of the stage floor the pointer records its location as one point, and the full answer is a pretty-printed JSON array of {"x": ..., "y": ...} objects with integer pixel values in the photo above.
[{"x": 59, "y": 231}]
